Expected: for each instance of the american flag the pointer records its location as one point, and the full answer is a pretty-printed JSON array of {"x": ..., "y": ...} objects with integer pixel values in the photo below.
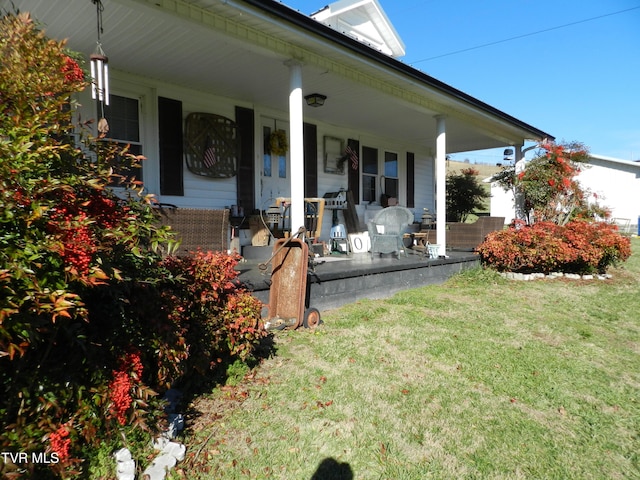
[
  {"x": 353, "y": 156},
  {"x": 209, "y": 158}
]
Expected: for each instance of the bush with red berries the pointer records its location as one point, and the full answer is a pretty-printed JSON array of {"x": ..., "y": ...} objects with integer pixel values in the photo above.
[{"x": 94, "y": 321}]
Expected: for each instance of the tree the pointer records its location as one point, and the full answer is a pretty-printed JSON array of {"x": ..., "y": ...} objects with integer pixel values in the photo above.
[
  {"x": 548, "y": 185},
  {"x": 465, "y": 194}
]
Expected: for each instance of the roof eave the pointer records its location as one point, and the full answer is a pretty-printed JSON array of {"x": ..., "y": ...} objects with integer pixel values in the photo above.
[{"x": 309, "y": 24}]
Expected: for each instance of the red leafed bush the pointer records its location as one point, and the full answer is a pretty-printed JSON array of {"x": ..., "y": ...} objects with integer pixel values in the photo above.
[
  {"x": 219, "y": 321},
  {"x": 93, "y": 321},
  {"x": 577, "y": 247}
]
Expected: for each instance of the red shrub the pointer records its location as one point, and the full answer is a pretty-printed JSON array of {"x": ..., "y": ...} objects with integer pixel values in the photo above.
[
  {"x": 578, "y": 247},
  {"x": 219, "y": 320}
]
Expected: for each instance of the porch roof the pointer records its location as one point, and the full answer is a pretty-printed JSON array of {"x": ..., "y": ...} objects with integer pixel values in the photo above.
[{"x": 238, "y": 48}]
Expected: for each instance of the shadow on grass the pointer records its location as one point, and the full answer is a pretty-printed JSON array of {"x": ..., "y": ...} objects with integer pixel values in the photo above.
[
  {"x": 229, "y": 368},
  {"x": 331, "y": 469},
  {"x": 228, "y": 371}
]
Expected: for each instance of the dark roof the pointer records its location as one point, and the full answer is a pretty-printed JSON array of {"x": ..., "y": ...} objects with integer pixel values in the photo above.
[{"x": 307, "y": 23}]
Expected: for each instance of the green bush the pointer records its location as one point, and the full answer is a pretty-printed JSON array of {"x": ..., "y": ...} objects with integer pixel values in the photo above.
[
  {"x": 577, "y": 247},
  {"x": 465, "y": 194},
  {"x": 93, "y": 321}
]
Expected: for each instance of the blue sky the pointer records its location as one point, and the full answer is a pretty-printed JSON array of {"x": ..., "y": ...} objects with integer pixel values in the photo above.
[{"x": 579, "y": 82}]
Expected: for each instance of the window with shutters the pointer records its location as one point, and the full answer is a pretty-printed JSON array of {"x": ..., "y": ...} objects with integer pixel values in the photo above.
[{"x": 123, "y": 117}]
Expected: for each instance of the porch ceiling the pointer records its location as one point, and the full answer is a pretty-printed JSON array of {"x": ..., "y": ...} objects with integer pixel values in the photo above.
[{"x": 234, "y": 50}]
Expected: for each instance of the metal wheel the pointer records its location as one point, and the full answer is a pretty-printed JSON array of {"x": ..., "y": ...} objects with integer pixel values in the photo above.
[{"x": 311, "y": 318}]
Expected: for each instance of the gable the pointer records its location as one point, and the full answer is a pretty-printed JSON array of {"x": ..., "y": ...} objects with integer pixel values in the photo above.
[{"x": 365, "y": 21}]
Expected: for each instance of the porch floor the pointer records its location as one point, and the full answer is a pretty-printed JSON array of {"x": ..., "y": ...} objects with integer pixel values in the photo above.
[{"x": 340, "y": 279}]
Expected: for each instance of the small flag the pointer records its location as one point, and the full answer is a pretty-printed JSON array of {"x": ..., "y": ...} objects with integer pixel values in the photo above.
[
  {"x": 353, "y": 156},
  {"x": 209, "y": 158}
]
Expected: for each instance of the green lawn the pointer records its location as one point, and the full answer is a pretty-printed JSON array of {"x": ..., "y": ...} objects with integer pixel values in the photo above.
[{"x": 478, "y": 378}]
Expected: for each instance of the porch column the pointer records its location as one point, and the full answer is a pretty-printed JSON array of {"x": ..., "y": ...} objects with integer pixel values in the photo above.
[
  {"x": 296, "y": 145},
  {"x": 518, "y": 198},
  {"x": 441, "y": 182}
]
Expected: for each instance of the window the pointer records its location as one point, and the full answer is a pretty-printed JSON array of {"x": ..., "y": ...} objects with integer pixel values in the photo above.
[
  {"x": 123, "y": 117},
  {"x": 369, "y": 173},
  {"x": 391, "y": 174},
  {"x": 282, "y": 166},
  {"x": 380, "y": 176}
]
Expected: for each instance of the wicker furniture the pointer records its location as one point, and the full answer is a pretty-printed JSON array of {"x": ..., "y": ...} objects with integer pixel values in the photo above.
[
  {"x": 203, "y": 229},
  {"x": 386, "y": 230},
  {"x": 467, "y": 236}
]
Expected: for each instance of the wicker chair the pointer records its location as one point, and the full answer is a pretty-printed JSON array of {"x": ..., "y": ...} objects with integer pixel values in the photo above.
[
  {"x": 203, "y": 229},
  {"x": 386, "y": 230}
]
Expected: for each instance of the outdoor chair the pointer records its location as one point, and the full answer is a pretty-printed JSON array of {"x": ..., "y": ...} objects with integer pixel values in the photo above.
[
  {"x": 196, "y": 229},
  {"x": 386, "y": 230}
]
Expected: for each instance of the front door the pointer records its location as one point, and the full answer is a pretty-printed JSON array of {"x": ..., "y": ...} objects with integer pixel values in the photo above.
[{"x": 274, "y": 171}]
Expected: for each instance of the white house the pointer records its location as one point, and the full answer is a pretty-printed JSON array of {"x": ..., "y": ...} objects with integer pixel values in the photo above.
[
  {"x": 200, "y": 86},
  {"x": 615, "y": 184},
  {"x": 612, "y": 183}
]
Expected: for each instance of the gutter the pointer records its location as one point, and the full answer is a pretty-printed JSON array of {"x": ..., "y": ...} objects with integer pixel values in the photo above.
[{"x": 283, "y": 12}]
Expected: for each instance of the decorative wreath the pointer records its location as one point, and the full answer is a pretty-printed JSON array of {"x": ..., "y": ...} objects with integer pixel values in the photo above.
[{"x": 278, "y": 143}]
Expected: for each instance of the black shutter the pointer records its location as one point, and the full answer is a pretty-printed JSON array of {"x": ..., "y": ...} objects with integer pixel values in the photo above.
[
  {"x": 170, "y": 133},
  {"x": 246, "y": 165},
  {"x": 411, "y": 186},
  {"x": 354, "y": 170},
  {"x": 310, "y": 135}
]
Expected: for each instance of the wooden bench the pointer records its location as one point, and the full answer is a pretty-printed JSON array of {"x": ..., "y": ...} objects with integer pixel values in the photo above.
[{"x": 203, "y": 229}]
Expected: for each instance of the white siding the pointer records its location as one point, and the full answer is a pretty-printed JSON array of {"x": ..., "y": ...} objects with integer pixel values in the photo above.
[
  {"x": 502, "y": 204},
  {"x": 617, "y": 186},
  {"x": 204, "y": 192}
]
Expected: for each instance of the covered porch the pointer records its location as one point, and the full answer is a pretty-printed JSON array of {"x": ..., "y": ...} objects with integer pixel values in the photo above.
[
  {"x": 337, "y": 280},
  {"x": 254, "y": 62}
]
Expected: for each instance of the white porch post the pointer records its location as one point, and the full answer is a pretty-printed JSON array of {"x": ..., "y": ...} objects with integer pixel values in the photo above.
[
  {"x": 296, "y": 146},
  {"x": 518, "y": 200},
  {"x": 441, "y": 181}
]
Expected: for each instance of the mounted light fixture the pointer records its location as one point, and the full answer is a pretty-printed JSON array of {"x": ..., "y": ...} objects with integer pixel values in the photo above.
[
  {"x": 99, "y": 64},
  {"x": 315, "y": 99},
  {"x": 508, "y": 154}
]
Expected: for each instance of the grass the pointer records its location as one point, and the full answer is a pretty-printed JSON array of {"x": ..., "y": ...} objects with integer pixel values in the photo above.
[
  {"x": 477, "y": 378},
  {"x": 484, "y": 170}
]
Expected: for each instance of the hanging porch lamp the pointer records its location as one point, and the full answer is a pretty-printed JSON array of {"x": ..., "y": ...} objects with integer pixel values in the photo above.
[{"x": 99, "y": 64}]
